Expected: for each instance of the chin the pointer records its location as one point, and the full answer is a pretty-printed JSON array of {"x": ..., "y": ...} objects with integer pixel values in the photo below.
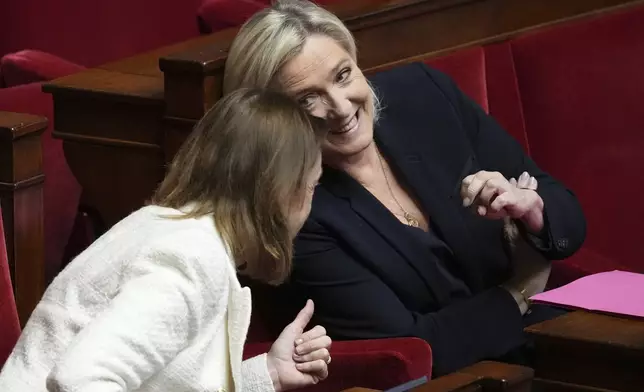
[{"x": 352, "y": 142}]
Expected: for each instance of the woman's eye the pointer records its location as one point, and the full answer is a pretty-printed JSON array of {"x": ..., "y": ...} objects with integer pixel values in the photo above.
[
  {"x": 344, "y": 75},
  {"x": 307, "y": 101}
]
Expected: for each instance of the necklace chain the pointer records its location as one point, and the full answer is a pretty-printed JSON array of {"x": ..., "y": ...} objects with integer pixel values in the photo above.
[{"x": 411, "y": 220}]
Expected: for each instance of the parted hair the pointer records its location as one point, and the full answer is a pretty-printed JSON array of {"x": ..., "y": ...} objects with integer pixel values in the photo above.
[
  {"x": 245, "y": 160},
  {"x": 274, "y": 36}
]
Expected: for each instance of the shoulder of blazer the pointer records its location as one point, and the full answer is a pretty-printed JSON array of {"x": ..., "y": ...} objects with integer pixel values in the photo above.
[
  {"x": 191, "y": 247},
  {"x": 408, "y": 92},
  {"x": 414, "y": 79}
]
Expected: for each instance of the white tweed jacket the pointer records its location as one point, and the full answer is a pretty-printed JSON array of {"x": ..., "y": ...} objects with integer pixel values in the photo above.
[{"x": 152, "y": 305}]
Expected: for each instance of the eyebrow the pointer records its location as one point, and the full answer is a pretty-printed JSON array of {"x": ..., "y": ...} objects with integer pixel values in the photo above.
[
  {"x": 338, "y": 66},
  {"x": 342, "y": 63}
]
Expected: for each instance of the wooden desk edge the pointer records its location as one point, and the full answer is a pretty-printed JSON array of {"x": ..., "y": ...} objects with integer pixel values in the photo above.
[
  {"x": 16, "y": 125},
  {"x": 490, "y": 375}
]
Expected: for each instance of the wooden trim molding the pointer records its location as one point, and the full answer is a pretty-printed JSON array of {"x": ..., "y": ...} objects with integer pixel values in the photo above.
[{"x": 21, "y": 195}]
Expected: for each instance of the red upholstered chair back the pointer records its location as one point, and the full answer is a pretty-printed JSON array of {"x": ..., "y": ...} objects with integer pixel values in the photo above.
[
  {"x": 580, "y": 86},
  {"x": 485, "y": 79},
  {"x": 91, "y": 33},
  {"x": 9, "y": 324},
  {"x": 571, "y": 95}
]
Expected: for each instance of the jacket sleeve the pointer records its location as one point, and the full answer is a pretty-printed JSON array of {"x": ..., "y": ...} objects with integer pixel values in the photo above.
[
  {"x": 496, "y": 150},
  {"x": 153, "y": 317},
  {"x": 255, "y": 376},
  {"x": 353, "y": 303}
]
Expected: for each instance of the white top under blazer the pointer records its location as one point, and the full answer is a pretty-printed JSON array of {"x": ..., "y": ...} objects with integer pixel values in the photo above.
[{"x": 152, "y": 305}]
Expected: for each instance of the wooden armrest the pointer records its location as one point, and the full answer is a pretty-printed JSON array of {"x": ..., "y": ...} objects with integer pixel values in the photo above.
[
  {"x": 21, "y": 195},
  {"x": 486, "y": 376}
]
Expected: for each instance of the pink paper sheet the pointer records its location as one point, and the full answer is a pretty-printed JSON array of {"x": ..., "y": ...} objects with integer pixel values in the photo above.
[{"x": 616, "y": 292}]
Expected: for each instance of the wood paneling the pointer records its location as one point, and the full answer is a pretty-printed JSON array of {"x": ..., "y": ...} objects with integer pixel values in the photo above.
[{"x": 21, "y": 195}]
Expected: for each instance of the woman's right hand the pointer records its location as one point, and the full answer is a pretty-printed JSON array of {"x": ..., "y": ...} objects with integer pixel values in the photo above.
[
  {"x": 532, "y": 269},
  {"x": 299, "y": 359}
]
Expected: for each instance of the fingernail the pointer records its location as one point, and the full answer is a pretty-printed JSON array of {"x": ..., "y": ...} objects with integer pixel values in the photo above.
[
  {"x": 299, "y": 350},
  {"x": 299, "y": 341},
  {"x": 466, "y": 202},
  {"x": 299, "y": 366}
]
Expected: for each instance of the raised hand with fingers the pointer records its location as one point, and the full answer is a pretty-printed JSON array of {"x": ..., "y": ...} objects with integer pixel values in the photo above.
[
  {"x": 494, "y": 197},
  {"x": 526, "y": 181},
  {"x": 298, "y": 359}
]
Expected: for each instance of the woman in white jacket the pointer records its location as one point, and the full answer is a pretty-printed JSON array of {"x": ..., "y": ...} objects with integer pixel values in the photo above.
[{"x": 155, "y": 304}]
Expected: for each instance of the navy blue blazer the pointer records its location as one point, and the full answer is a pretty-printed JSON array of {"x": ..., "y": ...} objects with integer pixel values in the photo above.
[{"x": 360, "y": 266}]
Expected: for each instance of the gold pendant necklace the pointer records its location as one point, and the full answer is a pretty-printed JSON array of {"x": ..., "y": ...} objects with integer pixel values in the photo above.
[{"x": 411, "y": 220}]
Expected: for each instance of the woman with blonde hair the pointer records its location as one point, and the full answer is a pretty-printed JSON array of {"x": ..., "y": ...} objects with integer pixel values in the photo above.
[
  {"x": 155, "y": 304},
  {"x": 406, "y": 234}
]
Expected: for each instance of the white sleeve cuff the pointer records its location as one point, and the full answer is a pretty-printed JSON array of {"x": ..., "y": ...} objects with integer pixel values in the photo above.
[{"x": 255, "y": 376}]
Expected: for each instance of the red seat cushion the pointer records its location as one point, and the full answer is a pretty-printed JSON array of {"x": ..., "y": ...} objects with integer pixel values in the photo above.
[
  {"x": 9, "y": 324},
  {"x": 581, "y": 87},
  {"x": 27, "y": 66}
]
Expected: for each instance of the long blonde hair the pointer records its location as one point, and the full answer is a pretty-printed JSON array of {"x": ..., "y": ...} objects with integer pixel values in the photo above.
[
  {"x": 275, "y": 35},
  {"x": 249, "y": 155}
]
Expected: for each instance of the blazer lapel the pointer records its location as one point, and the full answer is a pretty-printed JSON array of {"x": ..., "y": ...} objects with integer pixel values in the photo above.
[
  {"x": 239, "y": 312},
  {"x": 432, "y": 173},
  {"x": 387, "y": 226}
]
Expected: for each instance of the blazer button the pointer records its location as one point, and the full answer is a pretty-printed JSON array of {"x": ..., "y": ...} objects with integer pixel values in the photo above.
[{"x": 562, "y": 243}]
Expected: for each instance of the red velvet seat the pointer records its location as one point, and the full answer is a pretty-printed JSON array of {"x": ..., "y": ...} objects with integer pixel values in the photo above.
[
  {"x": 9, "y": 324},
  {"x": 378, "y": 364},
  {"x": 581, "y": 87},
  {"x": 570, "y": 94},
  {"x": 28, "y": 66},
  {"x": 91, "y": 33},
  {"x": 63, "y": 36}
]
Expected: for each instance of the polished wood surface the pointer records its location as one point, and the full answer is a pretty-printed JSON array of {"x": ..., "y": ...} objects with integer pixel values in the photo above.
[
  {"x": 584, "y": 351},
  {"x": 21, "y": 195},
  {"x": 486, "y": 376},
  {"x": 122, "y": 122}
]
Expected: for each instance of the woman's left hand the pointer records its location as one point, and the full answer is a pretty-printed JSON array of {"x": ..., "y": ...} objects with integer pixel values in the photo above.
[
  {"x": 495, "y": 198},
  {"x": 297, "y": 358}
]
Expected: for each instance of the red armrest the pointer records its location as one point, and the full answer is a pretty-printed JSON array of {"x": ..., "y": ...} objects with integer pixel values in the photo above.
[
  {"x": 28, "y": 66},
  {"x": 377, "y": 364}
]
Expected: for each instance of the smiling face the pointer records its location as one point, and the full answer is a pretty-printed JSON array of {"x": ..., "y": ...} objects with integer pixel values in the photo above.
[{"x": 326, "y": 81}]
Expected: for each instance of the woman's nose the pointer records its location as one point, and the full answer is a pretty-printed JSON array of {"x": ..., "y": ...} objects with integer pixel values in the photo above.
[{"x": 338, "y": 105}]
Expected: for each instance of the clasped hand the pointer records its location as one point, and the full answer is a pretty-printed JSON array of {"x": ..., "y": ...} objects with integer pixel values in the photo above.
[{"x": 495, "y": 197}]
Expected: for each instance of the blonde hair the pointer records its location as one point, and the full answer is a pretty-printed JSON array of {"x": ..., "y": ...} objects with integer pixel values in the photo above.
[
  {"x": 249, "y": 155},
  {"x": 275, "y": 35}
]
